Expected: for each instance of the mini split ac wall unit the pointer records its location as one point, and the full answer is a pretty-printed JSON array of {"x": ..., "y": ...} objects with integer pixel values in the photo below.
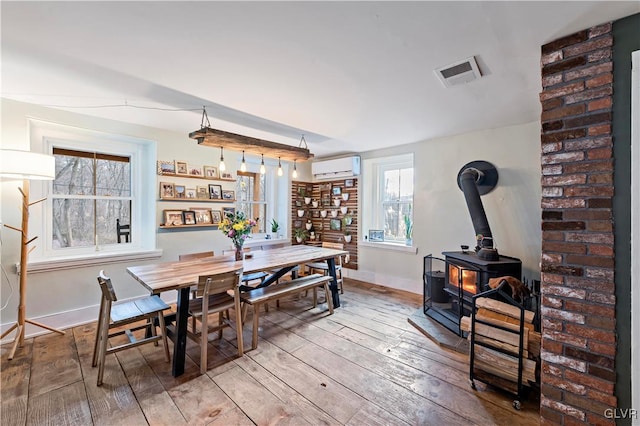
[{"x": 336, "y": 168}]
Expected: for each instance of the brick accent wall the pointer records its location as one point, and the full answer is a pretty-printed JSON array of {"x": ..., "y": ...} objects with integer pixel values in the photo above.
[{"x": 578, "y": 294}]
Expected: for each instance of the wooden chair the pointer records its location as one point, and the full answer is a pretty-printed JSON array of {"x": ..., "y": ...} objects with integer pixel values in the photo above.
[
  {"x": 324, "y": 268},
  {"x": 199, "y": 255},
  {"x": 120, "y": 315},
  {"x": 216, "y": 287},
  {"x": 247, "y": 278},
  {"x": 122, "y": 231}
]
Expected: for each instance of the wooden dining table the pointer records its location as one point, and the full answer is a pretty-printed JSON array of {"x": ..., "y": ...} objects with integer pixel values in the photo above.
[{"x": 182, "y": 276}]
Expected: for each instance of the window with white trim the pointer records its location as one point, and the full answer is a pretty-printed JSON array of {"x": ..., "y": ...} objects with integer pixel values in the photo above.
[
  {"x": 391, "y": 197},
  {"x": 251, "y": 198},
  {"x": 100, "y": 178}
]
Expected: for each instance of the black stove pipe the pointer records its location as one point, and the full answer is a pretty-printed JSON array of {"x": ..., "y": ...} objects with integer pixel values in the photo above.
[{"x": 468, "y": 182}]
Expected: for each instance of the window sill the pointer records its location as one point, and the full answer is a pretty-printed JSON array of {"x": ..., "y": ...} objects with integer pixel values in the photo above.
[
  {"x": 80, "y": 261},
  {"x": 390, "y": 246}
]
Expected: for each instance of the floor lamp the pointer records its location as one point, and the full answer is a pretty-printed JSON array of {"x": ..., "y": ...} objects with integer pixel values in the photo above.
[{"x": 28, "y": 166}]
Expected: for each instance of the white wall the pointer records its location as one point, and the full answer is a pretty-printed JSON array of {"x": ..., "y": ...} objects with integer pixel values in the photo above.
[
  {"x": 442, "y": 221},
  {"x": 70, "y": 297}
]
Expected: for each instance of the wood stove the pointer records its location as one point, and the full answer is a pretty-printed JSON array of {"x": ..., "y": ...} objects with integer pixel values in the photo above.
[{"x": 465, "y": 275}]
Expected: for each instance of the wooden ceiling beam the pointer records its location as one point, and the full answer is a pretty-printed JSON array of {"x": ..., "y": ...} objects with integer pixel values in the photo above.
[{"x": 232, "y": 141}]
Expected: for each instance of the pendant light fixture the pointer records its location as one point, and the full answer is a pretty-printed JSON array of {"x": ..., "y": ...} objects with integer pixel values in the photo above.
[
  {"x": 295, "y": 170},
  {"x": 222, "y": 167},
  {"x": 263, "y": 169},
  {"x": 279, "y": 167},
  {"x": 243, "y": 166}
]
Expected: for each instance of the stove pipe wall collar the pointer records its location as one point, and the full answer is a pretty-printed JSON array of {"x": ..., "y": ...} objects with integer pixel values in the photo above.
[{"x": 474, "y": 179}]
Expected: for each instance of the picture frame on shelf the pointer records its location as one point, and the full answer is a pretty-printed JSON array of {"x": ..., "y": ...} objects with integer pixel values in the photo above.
[
  {"x": 167, "y": 190},
  {"x": 335, "y": 224},
  {"x": 202, "y": 192},
  {"x": 182, "y": 168},
  {"x": 228, "y": 210},
  {"x": 166, "y": 168},
  {"x": 181, "y": 191},
  {"x": 227, "y": 175},
  {"x": 191, "y": 193},
  {"x": 195, "y": 171},
  {"x": 228, "y": 195},
  {"x": 173, "y": 218},
  {"x": 189, "y": 217},
  {"x": 210, "y": 172},
  {"x": 348, "y": 183},
  {"x": 203, "y": 216},
  {"x": 336, "y": 190},
  {"x": 376, "y": 235},
  {"x": 216, "y": 216},
  {"x": 215, "y": 191}
]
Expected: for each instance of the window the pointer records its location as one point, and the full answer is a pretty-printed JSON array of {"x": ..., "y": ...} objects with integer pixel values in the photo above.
[
  {"x": 251, "y": 198},
  {"x": 396, "y": 197},
  {"x": 390, "y": 180},
  {"x": 100, "y": 178},
  {"x": 91, "y": 192}
]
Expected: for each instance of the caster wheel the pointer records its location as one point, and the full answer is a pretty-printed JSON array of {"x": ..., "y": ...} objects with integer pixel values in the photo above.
[{"x": 516, "y": 404}]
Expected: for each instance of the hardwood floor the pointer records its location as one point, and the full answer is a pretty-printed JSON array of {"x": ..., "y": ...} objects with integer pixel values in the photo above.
[{"x": 364, "y": 365}]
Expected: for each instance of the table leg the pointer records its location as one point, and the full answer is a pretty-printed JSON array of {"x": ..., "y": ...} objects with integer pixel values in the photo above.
[
  {"x": 335, "y": 293},
  {"x": 180, "y": 338}
]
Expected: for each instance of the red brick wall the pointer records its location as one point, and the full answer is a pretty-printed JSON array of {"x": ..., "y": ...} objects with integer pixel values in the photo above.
[{"x": 578, "y": 298}]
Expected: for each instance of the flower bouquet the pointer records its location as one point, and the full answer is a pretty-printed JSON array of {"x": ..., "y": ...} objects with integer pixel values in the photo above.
[{"x": 237, "y": 227}]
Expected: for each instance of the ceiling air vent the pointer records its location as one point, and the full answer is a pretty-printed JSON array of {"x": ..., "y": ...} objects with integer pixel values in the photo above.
[{"x": 460, "y": 72}]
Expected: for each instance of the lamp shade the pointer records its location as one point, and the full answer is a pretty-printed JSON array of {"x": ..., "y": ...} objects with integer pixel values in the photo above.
[{"x": 27, "y": 165}]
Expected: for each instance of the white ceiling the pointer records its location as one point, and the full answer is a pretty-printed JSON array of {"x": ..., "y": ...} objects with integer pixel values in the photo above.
[{"x": 350, "y": 76}]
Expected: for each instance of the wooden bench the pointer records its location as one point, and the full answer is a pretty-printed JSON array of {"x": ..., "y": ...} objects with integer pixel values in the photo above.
[{"x": 263, "y": 295}]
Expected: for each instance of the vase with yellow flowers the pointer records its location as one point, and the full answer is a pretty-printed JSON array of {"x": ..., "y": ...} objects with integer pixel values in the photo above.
[{"x": 237, "y": 227}]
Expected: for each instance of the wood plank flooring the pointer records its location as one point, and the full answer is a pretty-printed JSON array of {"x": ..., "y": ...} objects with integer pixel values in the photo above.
[{"x": 364, "y": 365}]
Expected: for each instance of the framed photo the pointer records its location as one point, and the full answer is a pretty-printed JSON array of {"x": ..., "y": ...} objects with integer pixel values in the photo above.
[
  {"x": 336, "y": 190},
  {"x": 189, "y": 217},
  {"x": 297, "y": 224},
  {"x": 182, "y": 168},
  {"x": 348, "y": 182},
  {"x": 376, "y": 235},
  {"x": 215, "y": 192},
  {"x": 190, "y": 193},
  {"x": 228, "y": 210},
  {"x": 210, "y": 172},
  {"x": 167, "y": 190},
  {"x": 335, "y": 224},
  {"x": 227, "y": 175},
  {"x": 166, "y": 168},
  {"x": 203, "y": 216},
  {"x": 325, "y": 187},
  {"x": 216, "y": 216},
  {"x": 181, "y": 191},
  {"x": 173, "y": 218},
  {"x": 195, "y": 171},
  {"x": 202, "y": 192},
  {"x": 228, "y": 195}
]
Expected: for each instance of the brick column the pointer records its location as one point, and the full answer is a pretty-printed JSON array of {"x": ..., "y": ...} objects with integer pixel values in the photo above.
[{"x": 578, "y": 295}]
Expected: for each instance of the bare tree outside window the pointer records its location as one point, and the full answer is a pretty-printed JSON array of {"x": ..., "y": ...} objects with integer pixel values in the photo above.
[
  {"x": 397, "y": 197},
  {"x": 91, "y": 190}
]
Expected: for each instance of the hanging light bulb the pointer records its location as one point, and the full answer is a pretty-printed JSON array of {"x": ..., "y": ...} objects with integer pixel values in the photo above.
[
  {"x": 243, "y": 166},
  {"x": 263, "y": 169},
  {"x": 295, "y": 170},
  {"x": 279, "y": 167},
  {"x": 222, "y": 167}
]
